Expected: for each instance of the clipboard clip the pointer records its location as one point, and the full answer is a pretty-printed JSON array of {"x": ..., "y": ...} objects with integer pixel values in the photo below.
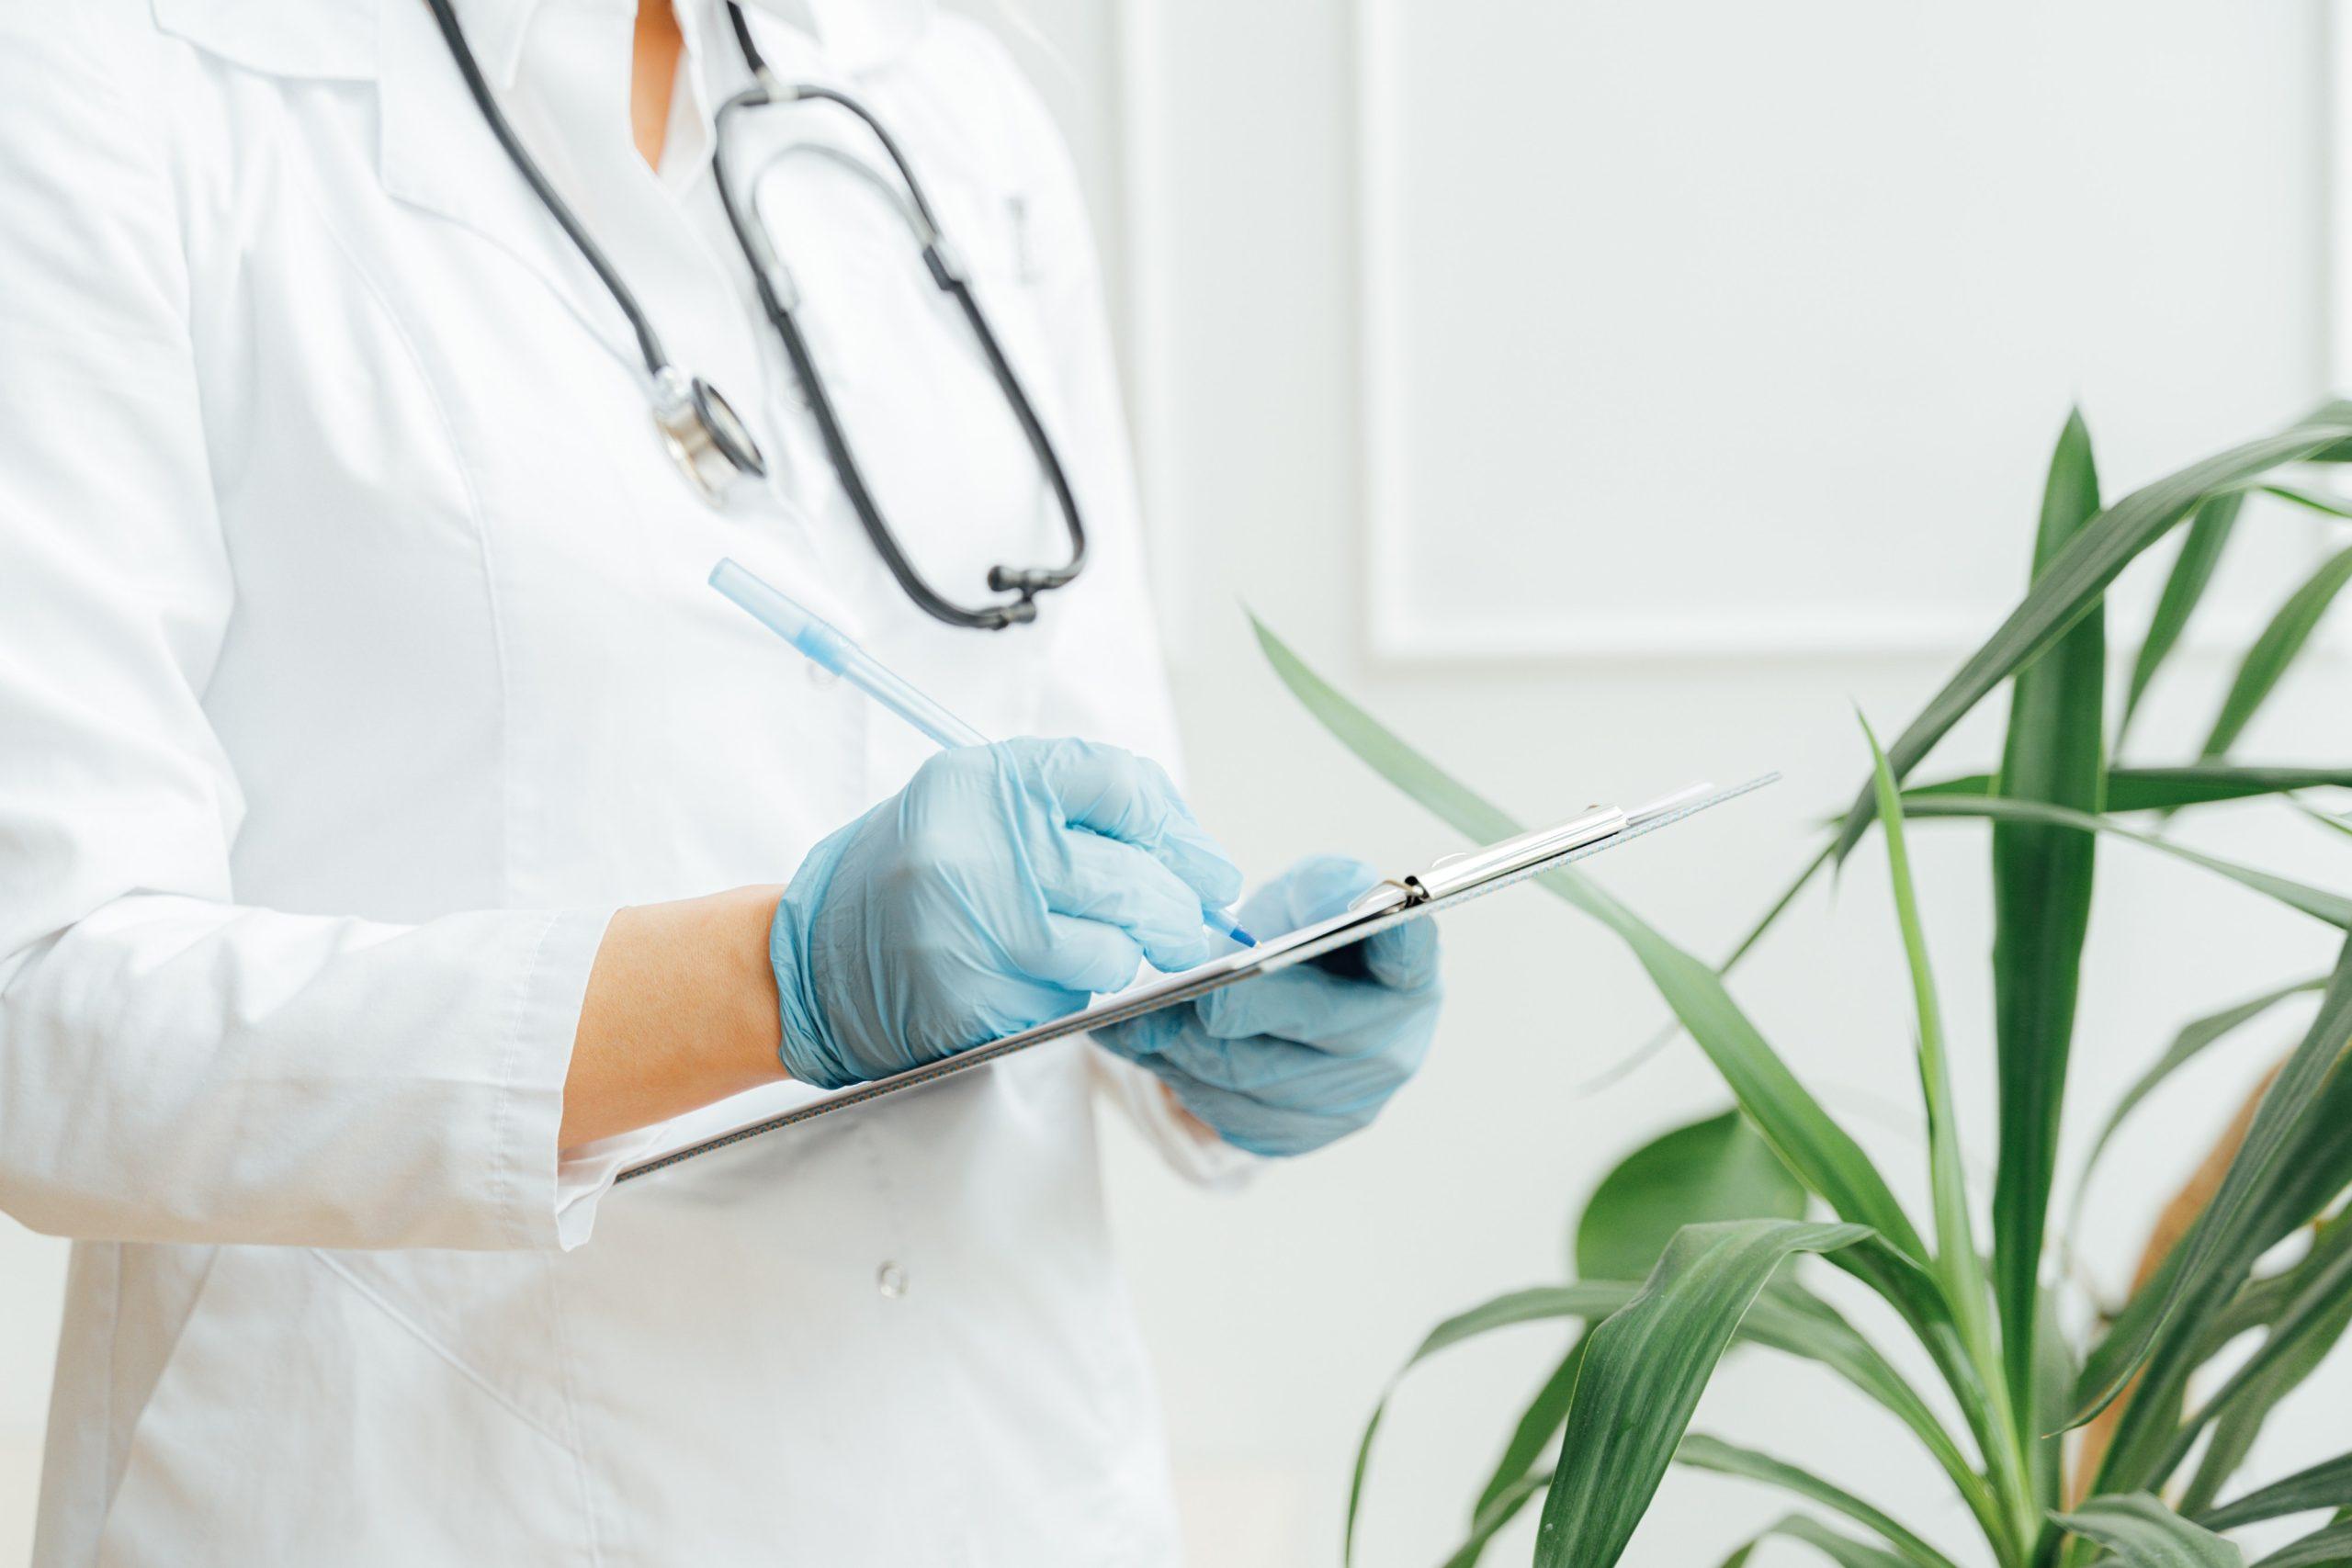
[{"x": 1384, "y": 893}]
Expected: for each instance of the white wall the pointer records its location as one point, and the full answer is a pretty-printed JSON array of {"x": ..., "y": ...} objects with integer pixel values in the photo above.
[
  {"x": 32, "y": 1282},
  {"x": 1612, "y": 396}
]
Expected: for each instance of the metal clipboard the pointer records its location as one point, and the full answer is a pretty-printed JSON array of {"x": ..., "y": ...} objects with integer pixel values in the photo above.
[{"x": 1452, "y": 880}]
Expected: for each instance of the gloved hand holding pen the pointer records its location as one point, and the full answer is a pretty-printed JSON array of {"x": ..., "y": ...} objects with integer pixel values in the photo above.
[
  {"x": 1008, "y": 882},
  {"x": 1004, "y": 886}
]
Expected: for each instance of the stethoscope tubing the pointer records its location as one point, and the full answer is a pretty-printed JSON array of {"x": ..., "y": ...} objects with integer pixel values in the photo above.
[
  {"x": 648, "y": 343},
  {"x": 685, "y": 407}
]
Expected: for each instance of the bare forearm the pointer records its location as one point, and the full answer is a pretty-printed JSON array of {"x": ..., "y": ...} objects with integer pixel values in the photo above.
[{"x": 681, "y": 1011}]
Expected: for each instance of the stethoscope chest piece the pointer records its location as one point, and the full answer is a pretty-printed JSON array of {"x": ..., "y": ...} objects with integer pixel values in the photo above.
[{"x": 703, "y": 434}]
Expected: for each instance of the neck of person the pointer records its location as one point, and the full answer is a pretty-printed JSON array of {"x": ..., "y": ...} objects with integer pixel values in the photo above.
[{"x": 653, "y": 77}]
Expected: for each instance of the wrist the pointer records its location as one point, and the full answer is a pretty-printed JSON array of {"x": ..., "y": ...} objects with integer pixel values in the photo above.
[
  {"x": 679, "y": 1011},
  {"x": 799, "y": 1034},
  {"x": 750, "y": 1040}
]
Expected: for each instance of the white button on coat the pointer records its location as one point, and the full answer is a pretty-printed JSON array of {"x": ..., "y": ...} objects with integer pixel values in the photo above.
[{"x": 356, "y": 663}]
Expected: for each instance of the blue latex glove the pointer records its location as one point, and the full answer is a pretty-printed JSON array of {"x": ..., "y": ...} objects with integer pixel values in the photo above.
[
  {"x": 1001, "y": 888},
  {"x": 1286, "y": 1063}
]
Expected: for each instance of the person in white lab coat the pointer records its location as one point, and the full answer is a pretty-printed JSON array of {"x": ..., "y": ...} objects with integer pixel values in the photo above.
[{"x": 395, "y": 830}]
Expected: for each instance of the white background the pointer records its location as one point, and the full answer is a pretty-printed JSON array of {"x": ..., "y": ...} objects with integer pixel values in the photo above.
[{"x": 1612, "y": 396}]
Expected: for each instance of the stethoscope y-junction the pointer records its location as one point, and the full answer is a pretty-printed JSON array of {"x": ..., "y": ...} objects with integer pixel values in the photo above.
[{"x": 703, "y": 432}]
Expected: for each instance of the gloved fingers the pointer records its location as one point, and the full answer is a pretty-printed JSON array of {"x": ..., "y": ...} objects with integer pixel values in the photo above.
[
  {"x": 1084, "y": 955},
  {"x": 1130, "y": 799},
  {"x": 1284, "y": 1077},
  {"x": 1092, "y": 878},
  {"x": 1332, "y": 1012},
  {"x": 1314, "y": 888},
  {"x": 1141, "y": 1039},
  {"x": 1250, "y": 1126},
  {"x": 1403, "y": 957}
]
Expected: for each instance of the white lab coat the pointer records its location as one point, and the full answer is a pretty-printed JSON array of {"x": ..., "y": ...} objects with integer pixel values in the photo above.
[{"x": 356, "y": 663}]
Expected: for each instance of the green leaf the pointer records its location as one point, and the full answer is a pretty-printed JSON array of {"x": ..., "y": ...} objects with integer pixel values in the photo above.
[
  {"x": 2317, "y": 500},
  {"x": 1702, "y": 1452},
  {"x": 2079, "y": 575},
  {"x": 1957, "y": 1262},
  {"x": 2192, "y": 569},
  {"x": 2052, "y": 1385},
  {"x": 1787, "y": 1318},
  {"x": 2268, "y": 660},
  {"x": 1714, "y": 1170},
  {"x": 2326, "y": 819},
  {"x": 1839, "y": 1548},
  {"x": 2317, "y": 902},
  {"x": 2192, "y": 1041},
  {"x": 1667, "y": 1036},
  {"x": 1453, "y": 802},
  {"x": 1958, "y": 1266},
  {"x": 2327, "y": 1484},
  {"x": 2224, "y": 1299},
  {"x": 2165, "y": 789},
  {"x": 1809, "y": 1142},
  {"x": 2236, "y": 1429},
  {"x": 2327, "y": 1547},
  {"x": 1536, "y": 1426},
  {"x": 1534, "y": 1304},
  {"x": 2055, "y": 752},
  {"x": 1644, "y": 1369},
  {"x": 2143, "y": 1533},
  {"x": 1494, "y": 1514},
  {"x": 2204, "y": 1260},
  {"x": 2309, "y": 1323},
  {"x": 1792, "y": 1319},
  {"x": 2303, "y": 1313}
]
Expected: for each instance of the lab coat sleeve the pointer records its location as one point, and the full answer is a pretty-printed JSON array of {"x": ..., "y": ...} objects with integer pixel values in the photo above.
[
  {"x": 175, "y": 1067},
  {"x": 1107, "y": 626}
]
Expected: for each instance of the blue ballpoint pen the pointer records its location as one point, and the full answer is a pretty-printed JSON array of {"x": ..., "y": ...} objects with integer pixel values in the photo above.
[{"x": 826, "y": 646}]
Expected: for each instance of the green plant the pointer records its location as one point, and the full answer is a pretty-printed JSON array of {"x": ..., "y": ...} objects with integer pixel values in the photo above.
[{"x": 1685, "y": 1248}]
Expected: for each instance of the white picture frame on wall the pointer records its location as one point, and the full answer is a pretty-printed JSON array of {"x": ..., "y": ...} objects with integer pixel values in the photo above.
[{"x": 1404, "y": 626}]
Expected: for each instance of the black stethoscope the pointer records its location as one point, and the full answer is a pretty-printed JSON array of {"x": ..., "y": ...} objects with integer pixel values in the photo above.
[{"x": 705, "y": 435}]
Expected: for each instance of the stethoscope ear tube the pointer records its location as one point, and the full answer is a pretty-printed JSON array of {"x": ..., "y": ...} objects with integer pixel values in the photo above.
[
  {"x": 701, "y": 431},
  {"x": 779, "y": 297}
]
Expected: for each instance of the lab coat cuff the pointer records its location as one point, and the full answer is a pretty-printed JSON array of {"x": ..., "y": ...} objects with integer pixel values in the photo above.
[
  {"x": 526, "y": 1172},
  {"x": 1190, "y": 1150},
  {"x": 583, "y": 1176}
]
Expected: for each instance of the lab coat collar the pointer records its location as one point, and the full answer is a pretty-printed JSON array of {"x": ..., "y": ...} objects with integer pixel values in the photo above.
[
  {"x": 856, "y": 36},
  {"x": 434, "y": 152},
  {"x": 494, "y": 30},
  {"x": 339, "y": 39}
]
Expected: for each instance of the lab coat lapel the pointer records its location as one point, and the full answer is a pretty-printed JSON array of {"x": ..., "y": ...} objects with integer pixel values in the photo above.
[
  {"x": 335, "y": 40},
  {"x": 437, "y": 153}
]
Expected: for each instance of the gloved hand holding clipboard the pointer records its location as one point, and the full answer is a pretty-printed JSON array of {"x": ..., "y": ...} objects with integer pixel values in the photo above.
[{"x": 1452, "y": 880}]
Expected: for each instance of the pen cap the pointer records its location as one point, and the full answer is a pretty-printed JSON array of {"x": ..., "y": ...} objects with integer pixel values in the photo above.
[
  {"x": 780, "y": 615},
  {"x": 824, "y": 646}
]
